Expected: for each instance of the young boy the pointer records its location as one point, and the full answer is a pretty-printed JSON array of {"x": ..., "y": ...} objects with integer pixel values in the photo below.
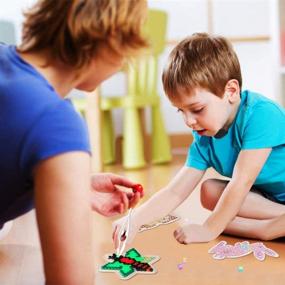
[
  {"x": 239, "y": 134},
  {"x": 44, "y": 148}
]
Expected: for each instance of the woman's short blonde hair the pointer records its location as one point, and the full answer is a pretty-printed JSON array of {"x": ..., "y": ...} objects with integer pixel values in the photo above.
[
  {"x": 201, "y": 61},
  {"x": 72, "y": 30}
]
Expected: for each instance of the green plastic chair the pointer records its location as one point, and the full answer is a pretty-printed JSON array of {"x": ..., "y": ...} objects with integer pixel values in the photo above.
[{"x": 142, "y": 79}]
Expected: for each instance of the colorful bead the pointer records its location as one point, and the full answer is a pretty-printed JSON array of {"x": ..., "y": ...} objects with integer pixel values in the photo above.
[
  {"x": 240, "y": 269},
  {"x": 137, "y": 188}
]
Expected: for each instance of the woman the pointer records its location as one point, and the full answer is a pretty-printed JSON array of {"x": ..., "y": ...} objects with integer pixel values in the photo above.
[{"x": 43, "y": 142}]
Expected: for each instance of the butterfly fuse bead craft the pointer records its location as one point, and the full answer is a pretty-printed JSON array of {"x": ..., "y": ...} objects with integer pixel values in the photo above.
[{"x": 130, "y": 264}]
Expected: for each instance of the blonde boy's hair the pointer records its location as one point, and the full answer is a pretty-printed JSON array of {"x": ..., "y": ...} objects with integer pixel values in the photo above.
[
  {"x": 201, "y": 61},
  {"x": 72, "y": 30}
]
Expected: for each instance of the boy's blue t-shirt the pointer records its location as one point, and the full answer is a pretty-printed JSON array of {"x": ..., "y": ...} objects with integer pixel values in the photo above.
[
  {"x": 35, "y": 124},
  {"x": 259, "y": 123}
]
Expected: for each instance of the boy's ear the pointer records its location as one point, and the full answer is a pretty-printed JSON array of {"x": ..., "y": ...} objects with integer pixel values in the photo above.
[{"x": 232, "y": 90}]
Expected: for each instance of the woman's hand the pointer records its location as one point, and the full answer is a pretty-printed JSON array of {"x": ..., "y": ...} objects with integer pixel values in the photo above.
[{"x": 107, "y": 199}]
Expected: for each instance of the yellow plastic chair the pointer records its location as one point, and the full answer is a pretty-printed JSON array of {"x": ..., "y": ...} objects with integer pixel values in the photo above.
[{"x": 142, "y": 79}]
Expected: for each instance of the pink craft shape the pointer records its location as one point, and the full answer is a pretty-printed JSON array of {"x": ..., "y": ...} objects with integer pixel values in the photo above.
[
  {"x": 260, "y": 251},
  {"x": 223, "y": 250}
]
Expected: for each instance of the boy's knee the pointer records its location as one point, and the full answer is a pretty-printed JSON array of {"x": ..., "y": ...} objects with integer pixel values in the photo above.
[{"x": 206, "y": 194}]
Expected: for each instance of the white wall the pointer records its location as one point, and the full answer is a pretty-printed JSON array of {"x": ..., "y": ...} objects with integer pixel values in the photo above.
[
  {"x": 232, "y": 18},
  {"x": 12, "y": 10}
]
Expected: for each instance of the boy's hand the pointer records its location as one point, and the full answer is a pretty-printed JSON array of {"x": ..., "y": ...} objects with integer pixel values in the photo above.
[
  {"x": 193, "y": 233},
  {"x": 118, "y": 224},
  {"x": 107, "y": 199}
]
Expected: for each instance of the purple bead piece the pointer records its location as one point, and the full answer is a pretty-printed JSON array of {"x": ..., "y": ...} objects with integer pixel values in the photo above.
[{"x": 180, "y": 266}]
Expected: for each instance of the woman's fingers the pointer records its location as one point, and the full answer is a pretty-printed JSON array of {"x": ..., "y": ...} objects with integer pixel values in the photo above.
[
  {"x": 135, "y": 199},
  {"x": 125, "y": 201}
]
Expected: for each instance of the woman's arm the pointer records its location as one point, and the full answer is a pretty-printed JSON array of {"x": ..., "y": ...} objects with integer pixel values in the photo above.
[{"x": 62, "y": 198}]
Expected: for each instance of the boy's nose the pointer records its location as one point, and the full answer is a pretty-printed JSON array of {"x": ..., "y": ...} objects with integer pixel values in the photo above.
[{"x": 190, "y": 121}]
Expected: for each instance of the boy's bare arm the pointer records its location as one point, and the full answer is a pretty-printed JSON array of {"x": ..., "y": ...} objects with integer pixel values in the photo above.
[
  {"x": 62, "y": 197},
  {"x": 247, "y": 168},
  {"x": 170, "y": 197}
]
